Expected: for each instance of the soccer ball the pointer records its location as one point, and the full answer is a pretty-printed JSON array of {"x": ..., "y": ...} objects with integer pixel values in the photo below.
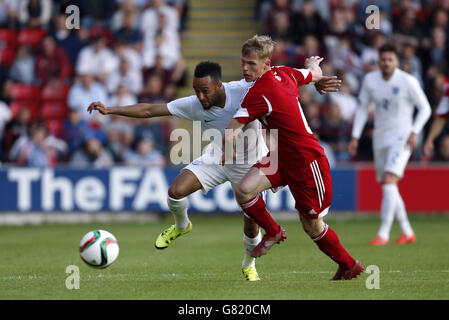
[{"x": 99, "y": 248}]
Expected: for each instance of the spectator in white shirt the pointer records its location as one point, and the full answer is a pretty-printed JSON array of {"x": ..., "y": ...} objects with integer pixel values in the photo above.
[
  {"x": 370, "y": 54},
  {"x": 123, "y": 97},
  {"x": 151, "y": 23},
  {"x": 125, "y": 76},
  {"x": 85, "y": 91},
  {"x": 160, "y": 26},
  {"x": 129, "y": 53},
  {"x": 346, "y": 101},
  {"x": 171, "y": 54},
  {"x": 97, "y": 59}
]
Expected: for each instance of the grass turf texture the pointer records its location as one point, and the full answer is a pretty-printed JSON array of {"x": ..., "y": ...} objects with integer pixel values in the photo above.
[{"x": 206, "y": 263}]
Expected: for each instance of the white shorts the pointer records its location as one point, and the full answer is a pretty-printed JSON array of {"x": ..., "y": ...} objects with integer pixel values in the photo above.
[
  {"x": 392, "y": 159},
  {"x": 211, "y": 174}
]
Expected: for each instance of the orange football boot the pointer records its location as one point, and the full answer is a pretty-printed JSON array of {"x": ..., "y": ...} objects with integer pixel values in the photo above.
[
  {"x": 378, "y": 241},
  {"x": 404, "y": 239}
]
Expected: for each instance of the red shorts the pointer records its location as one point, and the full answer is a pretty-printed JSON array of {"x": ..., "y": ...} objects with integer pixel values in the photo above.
[{"x": 311, "y": 186}]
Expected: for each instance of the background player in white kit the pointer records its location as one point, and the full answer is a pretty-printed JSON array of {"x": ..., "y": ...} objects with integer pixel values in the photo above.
[{"x": 395, "y": 95}]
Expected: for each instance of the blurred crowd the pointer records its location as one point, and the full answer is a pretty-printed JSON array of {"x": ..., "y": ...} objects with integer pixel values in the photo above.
[
  {"x": 55, "y": 60},
  {"x": 336, "y": 30},
  {"x": 122, "y": 52}
]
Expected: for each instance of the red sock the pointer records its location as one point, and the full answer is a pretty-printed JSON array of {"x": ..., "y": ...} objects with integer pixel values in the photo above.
[
  {"x": 329, "y": 243},
  {"x": 257, "y": 210}
]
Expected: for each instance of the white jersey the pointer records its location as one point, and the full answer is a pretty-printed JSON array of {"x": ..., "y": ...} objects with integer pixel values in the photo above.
[
  {"x": 218, "y": 118},
  {"x": 394, "y": 101},
  {"x": 443, "y": 106}
]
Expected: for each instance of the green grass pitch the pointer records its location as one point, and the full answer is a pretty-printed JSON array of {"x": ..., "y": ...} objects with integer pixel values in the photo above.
[{"x": 206, "y": 263}]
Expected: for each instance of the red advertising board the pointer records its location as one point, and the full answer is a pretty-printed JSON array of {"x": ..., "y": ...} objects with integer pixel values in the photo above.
[{"x": 423, "y": 188}]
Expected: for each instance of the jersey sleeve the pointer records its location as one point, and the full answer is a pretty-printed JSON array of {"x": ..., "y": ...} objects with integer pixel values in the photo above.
[
  {"x": 183, "y": 107},
  {"x": 361, "y": 114},
  {"x": 422, "y": 104},
  {"x": 443, "y": 106},
  {"x": 301, "y": 76},
  {"x": 253, "y": 106}
]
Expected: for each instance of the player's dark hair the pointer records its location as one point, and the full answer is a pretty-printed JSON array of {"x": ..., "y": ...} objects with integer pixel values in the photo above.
[
  {"x": 388, "y": 47},
  {"x": 208, "y": 68}
]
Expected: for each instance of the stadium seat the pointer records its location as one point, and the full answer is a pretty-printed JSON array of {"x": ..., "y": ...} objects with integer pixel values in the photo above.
[
  {"x": 8, "y": 38},
  {"x": 7, "y": 56},
  {"x": 54, "y": 126},
  {"x": 31, "y": 37},
  {"x": 20, "y": 91},
  {"x": 55, "y": 90},
  {"x": 33, "y": 106},
  {"x": 53, "y": 110},
  {"x": 101, "y": 31}
]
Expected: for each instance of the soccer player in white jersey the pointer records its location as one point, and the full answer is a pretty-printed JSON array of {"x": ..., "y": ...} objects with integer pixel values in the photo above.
[
  {"x": 395, "y": 95},
  {"x": 214, "y": 104},
  {"x": 442, "y": 113}
]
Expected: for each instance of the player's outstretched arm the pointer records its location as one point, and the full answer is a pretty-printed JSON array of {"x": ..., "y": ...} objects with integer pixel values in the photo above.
[
  {"x": 323, "y": 84},
  {"x": 139, "y": 110},
  {"x": 328, "y": 84},
  {"x": 353, "y": 146},
  {"x": 435, "y": 130},
  {"x": 360, "y": 118},
  {"x": 313, "y": 64}
]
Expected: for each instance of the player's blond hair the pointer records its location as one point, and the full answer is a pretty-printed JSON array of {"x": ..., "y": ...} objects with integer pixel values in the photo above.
[{"x": 262, "y": 46}]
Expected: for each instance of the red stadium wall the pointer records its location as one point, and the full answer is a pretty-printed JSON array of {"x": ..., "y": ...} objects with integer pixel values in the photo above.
[{"x": 424, "y": 189}]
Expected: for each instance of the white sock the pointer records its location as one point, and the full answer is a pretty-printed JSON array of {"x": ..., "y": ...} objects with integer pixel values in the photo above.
[
  {"x": 248, "y": 245},
  {"x": 179, "y": 209},
  {"x": 387, "y": 210},
  {"x": 401, "y": 216}
]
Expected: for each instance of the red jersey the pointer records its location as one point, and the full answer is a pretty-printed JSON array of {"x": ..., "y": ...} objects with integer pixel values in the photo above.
[{"x": 274, "y": 100}]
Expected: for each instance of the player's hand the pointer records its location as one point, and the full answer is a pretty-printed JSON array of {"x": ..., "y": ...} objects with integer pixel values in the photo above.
[
  {"x": 228, "y": 142},
  {"x": 428, "y": 148},
  {"x": 100, "y": 107},
  {"x": 328, "y": 84},
  {"x": 353, "y": 146},
  {"x": 412, "y": 140},
  {"x": 313, "y": 61}
]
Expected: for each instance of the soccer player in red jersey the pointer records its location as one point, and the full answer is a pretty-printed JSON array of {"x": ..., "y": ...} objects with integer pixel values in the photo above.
[{"x": 301, "y": 163}]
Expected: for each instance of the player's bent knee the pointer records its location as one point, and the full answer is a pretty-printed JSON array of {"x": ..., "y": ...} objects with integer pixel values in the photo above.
[
  {"x": 243, "y": 193},
  {"x": 389, "y": 178},
  {"x": 176, "y": 192},
  {"x": 313, "y": 227}
]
